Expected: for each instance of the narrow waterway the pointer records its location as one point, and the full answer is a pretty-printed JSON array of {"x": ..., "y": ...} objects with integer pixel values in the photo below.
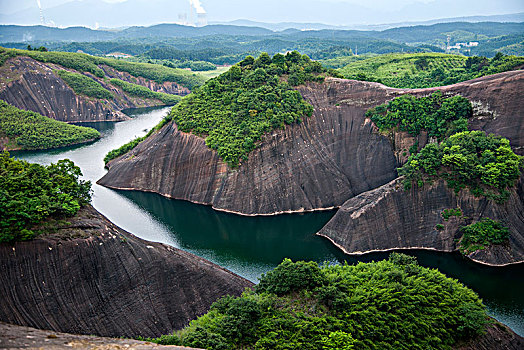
[{"x": 250, "y": 246}]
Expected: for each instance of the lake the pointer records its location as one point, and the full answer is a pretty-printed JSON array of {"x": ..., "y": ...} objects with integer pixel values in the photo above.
[{"x": 250, "y": 246}]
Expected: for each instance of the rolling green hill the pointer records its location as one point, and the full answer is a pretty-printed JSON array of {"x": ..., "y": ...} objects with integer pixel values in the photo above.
[
  {"x": 29, "y": 130},
  {"x": 427, "y": 69}
]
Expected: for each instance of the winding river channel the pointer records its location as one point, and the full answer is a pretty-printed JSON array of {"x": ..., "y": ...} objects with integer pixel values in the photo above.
[{"x": 250, "y": 246}]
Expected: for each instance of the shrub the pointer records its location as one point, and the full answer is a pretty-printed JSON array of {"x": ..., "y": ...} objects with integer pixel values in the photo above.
[
  {"x": 290, "y": 276},
  {"x": 483, "y": 163},
  {"x": 438, "y": 115},
  {"x": 391, "y": 304},
  {"x": 481, "y": 234},
  {"x": 30, "y": 193},
  {"x": 447, "y": 213}
]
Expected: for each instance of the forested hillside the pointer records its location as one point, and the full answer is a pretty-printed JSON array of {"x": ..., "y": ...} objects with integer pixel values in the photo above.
[
  {"x": 428, "y": 69},
  {"x": 233, "y": 110}
]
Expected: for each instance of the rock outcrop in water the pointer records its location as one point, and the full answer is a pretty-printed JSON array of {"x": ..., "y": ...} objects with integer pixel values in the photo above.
[
  {"x": 390, "y": 217},
  {"x": 91, "y": 277},
  {"x": 32, "y": 85},
  {"x": 329, "y": 158}
]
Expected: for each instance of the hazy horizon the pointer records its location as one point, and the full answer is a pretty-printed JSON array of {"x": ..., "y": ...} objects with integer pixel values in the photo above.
[{"x": 119, "y": 13}]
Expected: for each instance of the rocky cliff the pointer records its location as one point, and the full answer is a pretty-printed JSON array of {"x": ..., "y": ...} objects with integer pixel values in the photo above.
[
  {"x": 390, "y": 217},
  {"x": 87, "y": 276},
  {"x": 32, "y": 85},
  {"x": 330, "y": 157}
]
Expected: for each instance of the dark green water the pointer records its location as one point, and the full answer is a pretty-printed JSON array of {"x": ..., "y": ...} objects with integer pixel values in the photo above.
[{"x": 250, "y": 246}]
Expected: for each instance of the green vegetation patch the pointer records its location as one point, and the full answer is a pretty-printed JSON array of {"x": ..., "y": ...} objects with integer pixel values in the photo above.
[
  {"x": 30, "y": 130},
  {"x": 482, "y": 234},
  {"x": 30, "y": 193},
  {"x": 133, "y": 143},
  {"x": 427, "y": 69},
  {"x": 234, "y": 110},
  {"x": 84, "y": 85},
  {"x": 142, "y": 91},
  {"x": 123, "y": 149},
  {"x": 447, "y": 213},
  {"x": 155, "y": 72},
  {"x": 440, "y": 116},
  {"x": 391, "y": 304},
  {"x": 485, "y": 164}
]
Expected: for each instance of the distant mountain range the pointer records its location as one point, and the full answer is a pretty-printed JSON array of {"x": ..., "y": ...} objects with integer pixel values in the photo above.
[
  {"x": 514, "y": 17},
  {"x": 350, "y": 14},
  {"x": 411, "y": 34}
]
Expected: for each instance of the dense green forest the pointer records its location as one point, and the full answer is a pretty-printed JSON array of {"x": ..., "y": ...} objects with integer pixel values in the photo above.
[
  {"x": 31, "y": 193},
  {"x": 30, "y": 130},
  {"x": 438, "y": 115},
  {"x": 142, "y": 91},
  {"x": 391, "y": 304},
  {"x": 428, "y": 69},
  {"x": 84, "y": 85},
  {"x": 91, "y": 64},
  {"x": 234, "y": 110},
  {"x": 484, "y": 164}
]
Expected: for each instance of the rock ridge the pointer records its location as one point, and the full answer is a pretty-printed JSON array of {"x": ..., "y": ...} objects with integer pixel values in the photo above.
[{"x": 91, "y": 277}]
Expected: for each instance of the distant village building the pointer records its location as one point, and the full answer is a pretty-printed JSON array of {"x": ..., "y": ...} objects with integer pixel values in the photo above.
[
  {"x": 458, "y": 46},
  {"x": 118, "y": 55}
]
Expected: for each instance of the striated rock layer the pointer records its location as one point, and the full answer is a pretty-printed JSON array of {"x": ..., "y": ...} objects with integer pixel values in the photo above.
[
  {"x": 91, "y": 277},
  {"x": 330, "y": 157},
  {"x": 19, "y": 337},
  {"x": 32, "y": 85},
  {"x": 390, "y": 217}
]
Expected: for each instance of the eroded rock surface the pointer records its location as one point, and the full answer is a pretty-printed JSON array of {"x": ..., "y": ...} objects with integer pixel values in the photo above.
[
  {"x": 330, "y": 157},
  {"x": 32, "y": 85},
  {"x": 390, "y": 217},
  {"x": 20, "y": 337},
  {"x": 90, "y": 277}
]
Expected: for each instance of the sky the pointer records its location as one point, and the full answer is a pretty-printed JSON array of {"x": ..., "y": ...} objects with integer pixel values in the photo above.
[{"x": 117, "y": 13}]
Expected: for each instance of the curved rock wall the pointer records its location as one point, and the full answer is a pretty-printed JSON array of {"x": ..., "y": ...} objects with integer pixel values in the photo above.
[
  {"x": 91, "y": 277},
  {"x": 390, "y": 217},
  {"x": 330, "y": 157},
  {"x": 31, "y": 85}
]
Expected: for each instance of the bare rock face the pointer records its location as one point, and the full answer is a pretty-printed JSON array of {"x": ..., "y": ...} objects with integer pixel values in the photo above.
[
  {"x": 496, "y": 337},
  {"x": 32, "y": 85},
  {"x": 390, "y": 217},
  {"x": 91, "y": 277},
  {"x": 330, "y": 157}
]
